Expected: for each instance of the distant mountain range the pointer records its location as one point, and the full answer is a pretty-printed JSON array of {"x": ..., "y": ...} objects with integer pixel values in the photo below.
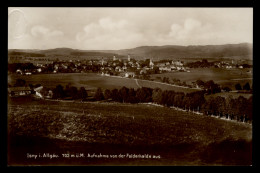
[{"x": 235, "y": 51}]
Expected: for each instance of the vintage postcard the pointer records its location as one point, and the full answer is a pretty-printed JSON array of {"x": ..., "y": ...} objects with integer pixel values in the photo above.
[{"x": 130, "y": 86}]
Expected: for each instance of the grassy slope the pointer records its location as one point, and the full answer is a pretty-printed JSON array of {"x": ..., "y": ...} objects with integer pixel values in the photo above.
[
  {"x": 221, "y": 76},
  {"x": 227, "y": 94},
  {"x": 179, "y": 138},
  {"x": 88, "y": 80}
]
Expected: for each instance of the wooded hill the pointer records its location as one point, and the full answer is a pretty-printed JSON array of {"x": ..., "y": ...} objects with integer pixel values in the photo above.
[{"x": 235, "y": 51}]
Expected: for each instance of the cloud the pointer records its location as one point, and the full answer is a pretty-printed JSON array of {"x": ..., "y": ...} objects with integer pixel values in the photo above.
[
  {"x": 41, "y": 31},
  {"x": 39, "y": 37},
  {"x": 191, "y": 24},
  {"x": 190, "y": 28},
  {"x": 175, "y": 29},
  {"x": 122, "y": 28},
  {"x": 110, "y": 34}
]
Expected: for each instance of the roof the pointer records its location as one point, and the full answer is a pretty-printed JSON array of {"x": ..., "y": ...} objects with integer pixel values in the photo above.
[
  {"x": 38, "y": 88},
  {"x": 10, "y": 89}
]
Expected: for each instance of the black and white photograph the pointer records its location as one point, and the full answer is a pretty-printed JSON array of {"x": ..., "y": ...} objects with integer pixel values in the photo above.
[{"x": 130, "y": 86}]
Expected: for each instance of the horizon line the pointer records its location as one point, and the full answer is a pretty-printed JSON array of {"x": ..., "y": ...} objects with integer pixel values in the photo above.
[{"x": 132, "y": 47}]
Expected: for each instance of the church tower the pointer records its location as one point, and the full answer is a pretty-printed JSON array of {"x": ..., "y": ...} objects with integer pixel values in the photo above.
[
  {"x": 114, "y": 58},
  {"x": 151, "y": 64}
]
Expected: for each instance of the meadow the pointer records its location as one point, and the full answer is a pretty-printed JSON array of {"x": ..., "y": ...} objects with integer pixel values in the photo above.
[
  {"x": 179, "y": 138},
  {"x": 90, "y": 81},
  {"x": 224, "y": 77},
  {"x": 230, "y": 94}
]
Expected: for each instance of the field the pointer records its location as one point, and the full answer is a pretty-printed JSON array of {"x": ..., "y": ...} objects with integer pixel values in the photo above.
[
  {"x": 90, "y": 81},
  {"x": 227, "y": 94},
  {"x": 224, "y": 77},
  {"x": 172, "y": 137}
]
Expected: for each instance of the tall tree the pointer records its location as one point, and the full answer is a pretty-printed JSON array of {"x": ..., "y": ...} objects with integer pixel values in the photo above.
[
  {"x": 58, "y": 92},
  {"x": 73, "y": 92},
  {"x": 246, "y": 86},
  {"x": 229, "y": 104},
  {"x": 170, "y": 98},
  {"x": 157, "y": 95},
  {"x": 144, "y": 94},
  {"x": 220, "y": 105},
  {"x": 82, "y": 93},
  {"x": 200, "y": 83},
  {"x": 132, "y": 96},
  {"x": 178, "y": 99},
  {"x": 249, "y": 109},
  {"x": 107, "y": 94},
  {"x": 115, "y": 95},
  {"x": 238, "y": 87},
  {"x": 164, "y": 97},
  {"x": 20, "y": 83},
  {"x": 99, "y": 94},
  {"x": 212, "y": 87},
  {"x": 124, "y": 93}
]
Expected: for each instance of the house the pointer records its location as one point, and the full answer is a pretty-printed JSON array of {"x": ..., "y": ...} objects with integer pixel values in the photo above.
[
  {"x": 228, "y": 67},
  {"x": 167, "y": 68},
  {"x": 42, "y": 92},
  {"x": 160, "y": 64},
  {"x": 18, "y": 71},
  {"x": 19, "y": 91},
  {"x": 167, "y": 63},
  {"x": 64, "y": 66},
  {"x": 138, "y": 65},
  {"x": 49, "y": 94},
  {"x": 124, "y": 68},
  {"x": 118, "y": 68},
  {"x": 28, "y": 73},
  {"x": 177, "y": 63},
  {"x": 38, "y": 91},
  {"x": 56, "y": 66},
  {"x": 39, "y": 70},
  {"x": 90, "y": 62},
  {"x": 173, "y": 67},
  {"x": 143, "y": 71},
  {"x": 129, "y": 74}
]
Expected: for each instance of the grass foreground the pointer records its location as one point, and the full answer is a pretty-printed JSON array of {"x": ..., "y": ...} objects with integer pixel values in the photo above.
[{"x": 98, "y": 133}]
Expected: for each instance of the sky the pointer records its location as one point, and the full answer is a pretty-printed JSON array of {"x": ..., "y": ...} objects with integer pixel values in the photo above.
[{"x": 124, "y": 28}]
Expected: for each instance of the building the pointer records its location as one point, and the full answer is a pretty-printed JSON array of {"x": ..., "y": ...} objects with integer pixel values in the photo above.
[
  {"x": 114, "y": 58},
  {"x": 129, "y": 74},
  {"x": 129, "y": 58},
  {"x": 38, "y": 91},
  {"x": 166, "y": 68},
  {"x": 18, "y": 71},
  {"x": 28, "y": 73},
  {"x": 19, "y": 91},
  {"x": 151, "y": 64},
  {"x": 177, "y": 63}
]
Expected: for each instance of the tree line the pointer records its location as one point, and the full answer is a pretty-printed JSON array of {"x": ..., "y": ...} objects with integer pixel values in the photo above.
[
  {"x": 239, "y": 109},
  {"x": 70, "y": 92}
]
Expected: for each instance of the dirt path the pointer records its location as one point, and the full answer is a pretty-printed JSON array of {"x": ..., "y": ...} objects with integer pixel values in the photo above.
[{"x": 136, "y": 81}]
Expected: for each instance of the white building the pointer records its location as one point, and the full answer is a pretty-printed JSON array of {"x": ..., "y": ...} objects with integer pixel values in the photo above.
[
  {"x": 151, "y": 64},
  {"x": 114, "y": 58}
]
